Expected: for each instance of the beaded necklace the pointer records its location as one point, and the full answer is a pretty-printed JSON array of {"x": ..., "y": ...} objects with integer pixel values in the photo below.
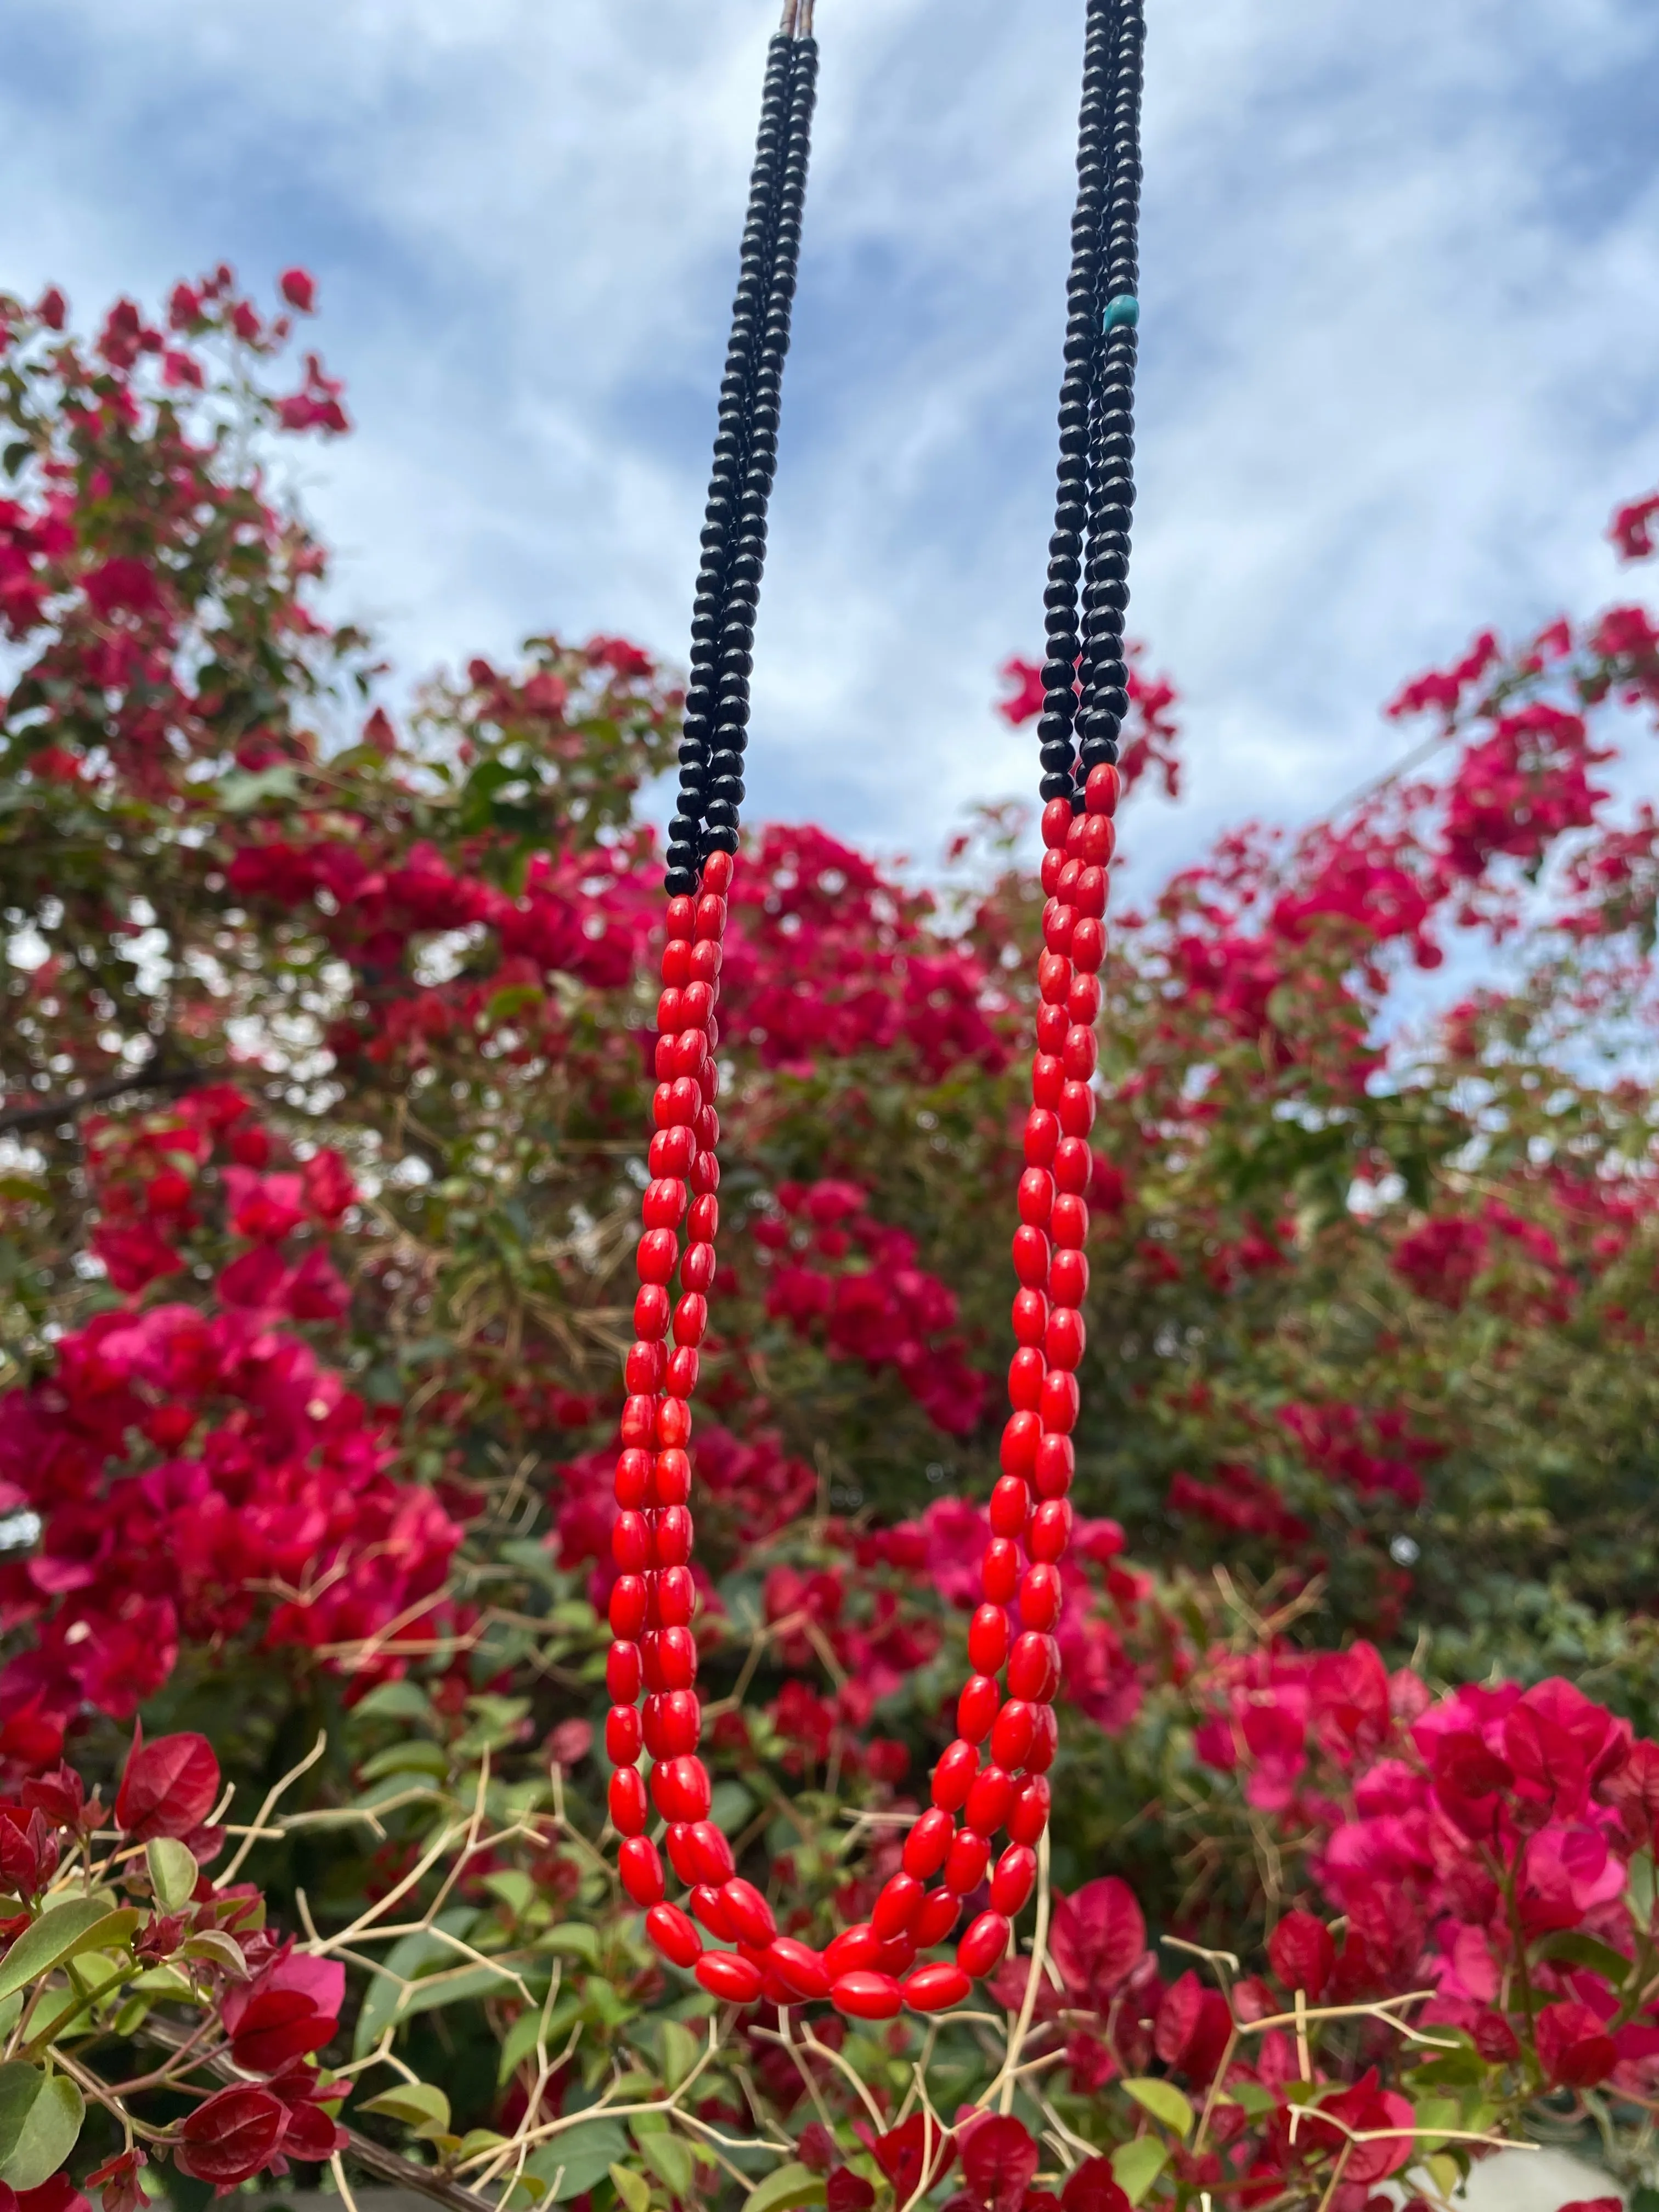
[{"x": 992, "y": 1781}]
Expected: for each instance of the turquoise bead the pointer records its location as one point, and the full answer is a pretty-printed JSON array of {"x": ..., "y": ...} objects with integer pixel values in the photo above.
[{"x": 1122, "y": 314}]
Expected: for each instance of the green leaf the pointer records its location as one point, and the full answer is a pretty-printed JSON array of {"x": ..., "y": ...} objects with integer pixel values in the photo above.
[
  {"x": 669, "y": 2157},
  {"x": 223, "y": 1950},
  {"x": 173, "y": 1873},
  {"x": 732, "y": 1807},
  {"x": 632, "y": 2188},
  {"x": 1136, "y": 2165},
  {"x": 571, "y": 1938},
  {"x": 791, "y": 2186},
  {"x": 1163, "y": 2101},
  {"x": 239, "y": 793},
  {"x": 420, "y": 2106},
  {"x": 1641, "y": 1888},
  {"x": 40, "y": 2116},
  {"x": 585, "y": 2154},
  {"x": 1578, "y": 1949},
  {"x": 680, "y": 2052},
  {"x": 86, "y": 1924},
  {"x": 394, "y": 1701},
  {"x": 414, "y": 1755}
]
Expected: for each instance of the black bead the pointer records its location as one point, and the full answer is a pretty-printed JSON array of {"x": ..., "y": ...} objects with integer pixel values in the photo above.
[
  {"x": 1057, "y": 755},
  {"x": 1056, "y": 787},
  {"x": 721, "y": 840}
]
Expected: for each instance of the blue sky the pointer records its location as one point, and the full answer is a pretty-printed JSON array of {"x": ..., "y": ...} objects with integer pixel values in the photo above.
[{"x": 1400, "y": 337}]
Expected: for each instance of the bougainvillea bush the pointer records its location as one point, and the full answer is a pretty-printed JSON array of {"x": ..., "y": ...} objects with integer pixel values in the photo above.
[{"x": 327, "y": 1046}]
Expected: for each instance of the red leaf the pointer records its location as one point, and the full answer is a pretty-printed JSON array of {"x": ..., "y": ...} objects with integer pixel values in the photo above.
[
  {"x": 846, "y": 2192},
  {"x": 1094, "y": 2188},
  {"x": 169, "y": 1788},
  {"x": 1098, "y": 1938},
  {"x": 1302, "y": 1953},
  {"x": 231, "y": 2136},
  {"x": 999, "y": 2161}
]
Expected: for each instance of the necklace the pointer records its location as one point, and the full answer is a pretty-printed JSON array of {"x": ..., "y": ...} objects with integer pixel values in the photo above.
[{"x": 992, "y": 1782}]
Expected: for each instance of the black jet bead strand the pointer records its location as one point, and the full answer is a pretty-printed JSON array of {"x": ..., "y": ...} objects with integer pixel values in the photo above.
[
  {"x": 1056, "y": 726},
  {"x": 726, "y": 785},
  {"x": 1111, "y": 491},
  {"x": 731, "y": 441}
]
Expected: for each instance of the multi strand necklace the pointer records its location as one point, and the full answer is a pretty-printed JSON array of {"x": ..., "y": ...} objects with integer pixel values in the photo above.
[{"x": 989, "y": 1797}]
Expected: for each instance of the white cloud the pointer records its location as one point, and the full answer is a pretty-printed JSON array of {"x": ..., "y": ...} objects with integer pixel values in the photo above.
[{"x": 1402, "y": 327}]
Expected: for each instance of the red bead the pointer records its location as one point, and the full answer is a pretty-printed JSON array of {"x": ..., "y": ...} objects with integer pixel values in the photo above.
[
  {"x": 681, "y": 1856},
  {"x": 1072, "y": 869},
  {"x": 976, "y": 1708},
  {"x": 1076, "y": 1108},
  {"x": 682, "y": 1788},
  {"x": 1045, "y": 1743},
  {"x": 1068, "y": 1279},
  {"x": 926, "y": 1845},
  {"x": 1083, "y": 1000},
  {"x": 998, "y": 1573},
  {"x": 1073, "y": 1164},
  {"x": 697, "y": 1268},
  {"x": 681, "y": 1721},
  {"x": 935, "y": 1989},
  {"x": 677, "y": 1597},
  {"x": 1025, "y": 1372},
  {"x": 642, "y": 1369},
  {"x": 711, "y": 916},
  {"x": 633, "y": 1483},
  {"x": 1030, "y": 1317},
  {"x": 676, "y": 1659},
  {"x": 1048, "y": 874},
  {"x": 627, "y": 1607},
  {"x": 1068, "y": 1222},
  {"x": 852, "y": 1951},
  {"x": 1034, "y": 1668},
  {"x": 895, "y": 1907},
  {"x": 639, "y": 1419},
  {"x": 718, "y": 871},
  {"x": 1030, "y": 1257},
  {"x": 867, "y": 1996},
  {"x": 673, "y": 1934},
  {"x": 1036, "y": 1198},
  {"x": 664, "y": 1204},
  {"x": 1056, "y": 823},
  {"x": 1039, "y": 1596},
  {"x": 1080, "y": 1052},
  {"x": 651, "y": 1310},
  {"x": 707, "y": 1127},
  {"x": 732, "y": 1979},
  {"x": 681, "y": 916},
  {"x": 1051, "y": 1529},
  {"x": 687, "y": 1053},
  {"x": 703, "y": 1222},
  {"x": 706, "y": 961},
  {"x": 672, "y": 1427},
  {"x": 1053, "y": 1028},
  {"x": 1048, "y": 1078},
  {"x": 690, "y": 1318},
  {"x": 1011, "y": 1506},
  {"x": 1100, "y": 792},
  {"x": 1014, "y": 1879},
  {"x": 749, "y": 1913},
  {"x": 670, "y": 1477},
  {"x": 1021, "y": 1434},
  {"x": 798, "y": 1967},
  {"x": 630, "y": 1542},
  {"x": 987, "y": 1639},
  {"x": 710, "y": 1906},
  {"x": 938, "y": 1917},
  {"x": 697, "y": 1005},
  {"x": 953, "y": 1777},
  {"x": 990, "y": 1797},
  {"x": 984, "y": 1944},
  {"x": 621, "y": 1672},
  {"x": 627, "y": 1800},
  {"x": 1058, "y": 924},
  {"x": 706, "y": 1168},
  {"x": 1089, "y": 893},
  {"x": 965, "y": 1868},
  {"x": 658, "y": 1251},
  {"x": 671, "y": 1539},
  {"x": 1011, "y": 1738},
  {"x": 1054, "y": 984},
  {"x": 622, "y": 1736},
  {"x": 1028, "y": 1816},
  {"x": 1088, "y": 944},
  {"x": 1054, "y": 1466},
  {"x": 680, "y": 1373},
  {"x": 713, "y": 1854},
  {"x": 1059, "y": 1403},
  {"x": 639, "y": 1864},
  {"x": 651, "y": 1728},
  {"x": 675, "y": 964},
  {"x": 1065, "y": 1337}
]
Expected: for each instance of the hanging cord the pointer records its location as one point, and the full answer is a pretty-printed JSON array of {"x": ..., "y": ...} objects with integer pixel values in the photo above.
[
  {"x": 715, "y": 735},
  {"x": 1084, "y": 622}
]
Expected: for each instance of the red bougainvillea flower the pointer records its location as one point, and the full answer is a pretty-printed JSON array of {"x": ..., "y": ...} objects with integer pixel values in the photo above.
[
  {"x": 290, "y": 2009},
  {"x": 169, "y": 1786},
  {"x": 231, "y": 2136}
]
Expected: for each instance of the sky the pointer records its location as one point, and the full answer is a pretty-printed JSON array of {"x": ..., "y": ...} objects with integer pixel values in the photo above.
[{"x": 1399, "y": 339}]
